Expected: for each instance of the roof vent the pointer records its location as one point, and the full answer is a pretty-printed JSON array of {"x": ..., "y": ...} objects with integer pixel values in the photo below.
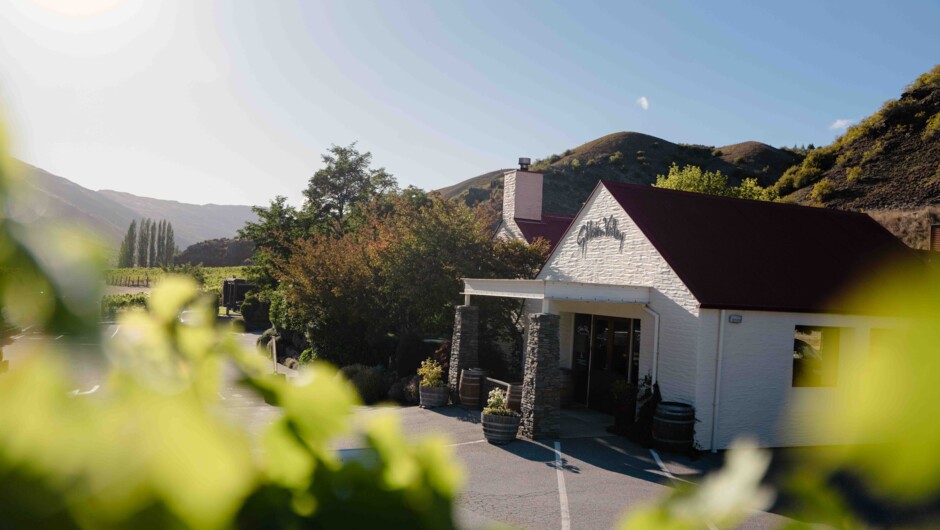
[{"x": 524, "y": 164}]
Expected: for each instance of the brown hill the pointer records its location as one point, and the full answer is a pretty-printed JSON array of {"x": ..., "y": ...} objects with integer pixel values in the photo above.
[
  {"x": 630, "y": 157},
  {"x": 108, "y": 213},
  {"x": 890, "y": 160}
]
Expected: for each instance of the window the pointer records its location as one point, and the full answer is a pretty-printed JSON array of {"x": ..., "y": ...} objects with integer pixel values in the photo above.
[{"x": 815, "y": 356}]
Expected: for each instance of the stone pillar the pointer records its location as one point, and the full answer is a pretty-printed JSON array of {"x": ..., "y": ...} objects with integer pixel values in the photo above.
[
  {"x": 464, "y": 348},
  {"x": 541, "y": 387}
]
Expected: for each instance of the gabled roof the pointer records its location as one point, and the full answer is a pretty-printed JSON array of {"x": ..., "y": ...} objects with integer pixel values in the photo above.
[
  {"x": 551, "y": 228},
  {"x": 744, "y": 254}
]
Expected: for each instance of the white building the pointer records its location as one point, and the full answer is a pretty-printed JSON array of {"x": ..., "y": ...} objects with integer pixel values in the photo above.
[{"x": 732, "y": 306}]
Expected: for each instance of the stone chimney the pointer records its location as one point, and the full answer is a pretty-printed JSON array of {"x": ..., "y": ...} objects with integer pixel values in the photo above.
[{"x": 522, "y": 193}]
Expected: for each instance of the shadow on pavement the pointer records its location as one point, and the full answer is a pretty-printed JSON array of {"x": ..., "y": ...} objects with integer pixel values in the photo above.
[{"x": 457, "y": 412}]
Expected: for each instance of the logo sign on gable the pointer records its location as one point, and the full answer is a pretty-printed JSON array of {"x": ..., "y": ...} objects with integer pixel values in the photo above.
[{"x": 606, "y": 227}]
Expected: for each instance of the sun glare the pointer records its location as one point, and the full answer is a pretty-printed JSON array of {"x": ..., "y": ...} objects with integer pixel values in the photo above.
[{"x": 78, "y": 8}]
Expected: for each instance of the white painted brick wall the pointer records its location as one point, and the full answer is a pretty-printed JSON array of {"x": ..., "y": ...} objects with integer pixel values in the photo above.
[{"x": 638, "y": 264}]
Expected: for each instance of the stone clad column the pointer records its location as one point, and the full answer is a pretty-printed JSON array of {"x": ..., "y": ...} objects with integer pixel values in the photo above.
[
  {"x": 464, "y": 347},
  {"x": 541, "y": 387}
]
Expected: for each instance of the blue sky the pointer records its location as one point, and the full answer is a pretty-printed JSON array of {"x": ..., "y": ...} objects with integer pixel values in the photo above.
[{"x": 233, "y": 102}]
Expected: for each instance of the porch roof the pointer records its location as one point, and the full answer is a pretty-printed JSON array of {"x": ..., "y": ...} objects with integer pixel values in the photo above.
[{"x": 557, "y": 290}]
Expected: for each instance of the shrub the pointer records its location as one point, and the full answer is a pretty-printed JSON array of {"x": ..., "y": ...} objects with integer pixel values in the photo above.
[
  {"x": 372, "y": 384},
  {"x": 616, "y": 157},
  {"x": 575, "y": 163},
  {"x": 113, "y": 304},
  {"x": 843, "y": 159},
  {"x": 567, "y": 152},
  {"x": 405, "y": 390},
  {"x": 929, "y": 79},
  {"x": 822, "y": 190},
  {"x": 875, "y": 150},
  {"x": 497, "y": 405},
  {"x": 853, "y": 173},
  {"x": 265, "y": 338},
  {"x": 431, "y": 372},
  {"x": 255, "y": 312},
  {"x": 307, "y": 356},
  {"x": 932, "y": 127}
]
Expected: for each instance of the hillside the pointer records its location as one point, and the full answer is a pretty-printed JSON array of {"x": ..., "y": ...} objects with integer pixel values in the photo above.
[
  {"x": 889, "y": 161},
  {"x": 630, "y": 157},
  {"x": 191, "y": 222},
  {"x": 108, "y": 213},
  {"x": 217, "y": 253}
]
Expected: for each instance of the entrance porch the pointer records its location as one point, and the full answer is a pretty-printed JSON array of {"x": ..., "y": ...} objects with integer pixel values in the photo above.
[{"x": 592, "y": 329}]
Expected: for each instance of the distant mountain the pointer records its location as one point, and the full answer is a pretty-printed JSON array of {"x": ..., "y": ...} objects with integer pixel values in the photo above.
[
  {"x": 108, "y": 213},
  {"x": 629, "y": 157},
  {"x": 890, "y": 160},
  {"x": 191, "y": 222}
]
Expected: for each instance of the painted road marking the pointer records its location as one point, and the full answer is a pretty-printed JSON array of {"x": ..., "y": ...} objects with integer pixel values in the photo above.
[
  {"x": 59, "y": 337},
  {"x": 466, "y": 443},
  {"x": 115, "y": 331},
  {"x": 669, "y": 474},
  {"x": 562, "y": 491}
]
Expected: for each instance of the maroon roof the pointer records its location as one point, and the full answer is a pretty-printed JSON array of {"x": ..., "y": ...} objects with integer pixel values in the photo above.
[
  {"x": 551, "y": 228},
  {"x": 744, "y": 254}
]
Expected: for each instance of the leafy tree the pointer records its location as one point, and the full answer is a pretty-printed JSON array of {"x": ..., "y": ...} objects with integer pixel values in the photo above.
[
  {"x": 169, "y": 245},
  {"x": 273, "y": 235},
  {"x": 397, "y": 276},
  {"x": 152, "y": 242},
  {"x": 346, "y": 181},
  {"x": 692, "y": 178},
  {"x": 128, "y": 254},
  {"x": 143, "y": 243}
]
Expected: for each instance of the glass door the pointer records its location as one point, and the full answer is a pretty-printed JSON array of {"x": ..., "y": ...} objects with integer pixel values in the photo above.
[
  {"x": 581, "y": 357},
  {"x": 604, "y": 349}
]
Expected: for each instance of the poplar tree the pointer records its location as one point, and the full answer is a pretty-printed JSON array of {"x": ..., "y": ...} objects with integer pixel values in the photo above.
[
  {"x": 161, "y": 242},
  {"x": 128, "y": 254},
  {"x": 143, "y": 243},
  {"x": 169, "y": 245},
  {"x": 153, "y": 245}
]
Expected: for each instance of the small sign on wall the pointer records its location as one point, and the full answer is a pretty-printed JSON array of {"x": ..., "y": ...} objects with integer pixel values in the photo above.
[{"x": 606, "y": 227}]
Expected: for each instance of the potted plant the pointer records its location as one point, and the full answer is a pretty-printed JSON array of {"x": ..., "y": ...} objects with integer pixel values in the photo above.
[
  {"x": 500, "y": 423},
  {"x": 432, "y": 390},
  {"x": 623, "y": 395}
]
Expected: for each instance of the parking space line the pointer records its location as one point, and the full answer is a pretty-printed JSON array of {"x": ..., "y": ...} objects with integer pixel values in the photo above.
[
  {"x": 59, "y": 337},
  {"x": 115, "y": 331},
  {"x": 562, "y": 491},
  {"x": 659, "y": 462},
  {"x": 466, "y": 443}
]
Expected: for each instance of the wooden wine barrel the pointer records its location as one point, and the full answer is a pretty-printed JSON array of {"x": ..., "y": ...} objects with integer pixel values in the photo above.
[
  {"x": 471, "y": 381},
  {"x": 567, "y": 388},
  {"x": 499, "y": 429},
  {"x": 673, "y": 426},
  {"x": 514, "y": 398}
]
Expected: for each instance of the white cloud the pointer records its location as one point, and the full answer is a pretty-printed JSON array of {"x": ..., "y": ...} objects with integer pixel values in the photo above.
[
  {"x": 643, "y": 103},
  {"x": 841, "y": 124}
]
